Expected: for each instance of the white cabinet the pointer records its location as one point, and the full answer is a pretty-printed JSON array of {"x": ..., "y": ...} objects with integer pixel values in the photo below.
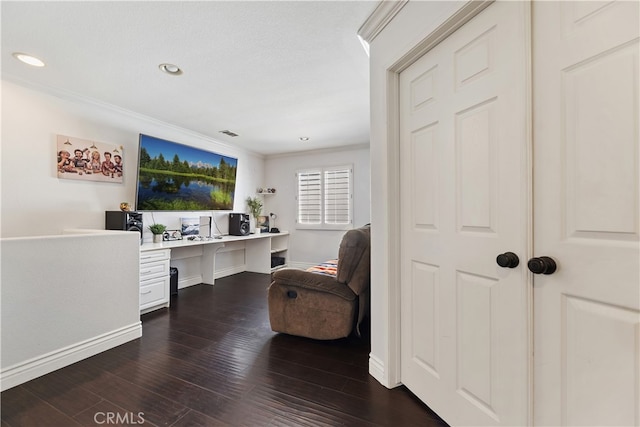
[
  {"x": 154, "y": 279},
  {"x": 279, "y": 249}
]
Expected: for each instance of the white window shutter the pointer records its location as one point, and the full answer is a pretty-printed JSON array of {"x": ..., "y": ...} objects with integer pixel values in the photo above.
[
  {"x": 337, "y": 197},
  {"x": 309, "y": 197}
]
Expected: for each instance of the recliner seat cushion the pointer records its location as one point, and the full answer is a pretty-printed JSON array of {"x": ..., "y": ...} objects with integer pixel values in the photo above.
[
  {"x": 310, "y": 313},
  {"x": 315, "y": 282}
]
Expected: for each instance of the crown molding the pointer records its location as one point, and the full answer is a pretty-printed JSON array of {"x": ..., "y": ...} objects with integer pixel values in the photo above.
[
  {"x": 105, "y": 106},
  {"x": 379, "y": 18},
  {"x": 318, "y": 151},
  {"x": 463, "y": 15}
]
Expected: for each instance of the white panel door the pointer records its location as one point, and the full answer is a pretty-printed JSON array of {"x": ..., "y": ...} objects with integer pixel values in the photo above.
[
  {"x": 586, "y": 201},
  {"x": 464, "y": 200}
]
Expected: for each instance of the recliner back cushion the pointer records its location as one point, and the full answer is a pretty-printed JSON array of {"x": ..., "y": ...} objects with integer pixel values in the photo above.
[{"x": 354, "y": 259}]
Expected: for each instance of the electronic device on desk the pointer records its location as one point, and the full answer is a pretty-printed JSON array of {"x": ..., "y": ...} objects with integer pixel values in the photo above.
[
  {"x": 170, "y": 235},
  {"x": 273, "y": 219},
  {"x": 239, "y": 224},
  {"x": 123, "y": 220},
  {"x": 199, "y": 238}
]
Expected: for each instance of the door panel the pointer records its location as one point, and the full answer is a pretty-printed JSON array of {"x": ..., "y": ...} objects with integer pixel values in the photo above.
[
  {"x": 599, "y": 97},
  {"x": 477, "y": 338},
  {"x": 601, "y": 348},
  {"x": 586, "y": 200},
  {"x": 476, "y": 165},
  {"x": 464, "y": 200},
  {"x": 425, "y": 318}
]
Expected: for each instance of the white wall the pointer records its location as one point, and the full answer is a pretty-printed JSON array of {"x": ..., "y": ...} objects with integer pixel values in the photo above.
[
  {"x": 35, "y": 202},
  {"x": 308, "y": 247},
  {"x": 415, "y": 21}
]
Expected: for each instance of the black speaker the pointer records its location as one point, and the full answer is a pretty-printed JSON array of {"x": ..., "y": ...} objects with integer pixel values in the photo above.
[
  {"x": 239, "y": 224},
  {"x": 127, "y": 221}
]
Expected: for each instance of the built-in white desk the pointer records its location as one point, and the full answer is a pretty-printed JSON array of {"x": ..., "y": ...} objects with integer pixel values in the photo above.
[{"x": 199, "y": 257}]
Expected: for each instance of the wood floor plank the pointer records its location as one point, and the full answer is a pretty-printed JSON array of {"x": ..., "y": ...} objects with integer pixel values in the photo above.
[
  {"x": 22, "y": 408},
  {"x": 196, "y": 419},
  {"x": 212, "y": 360},
  {"x": 231, "y": 386},
  {"x": 300, "y": 409},
  {"x": 62, "y": 393}
]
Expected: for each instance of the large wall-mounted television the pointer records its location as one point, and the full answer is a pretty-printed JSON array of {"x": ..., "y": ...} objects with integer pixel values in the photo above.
[{"x": 177, "y": 177}]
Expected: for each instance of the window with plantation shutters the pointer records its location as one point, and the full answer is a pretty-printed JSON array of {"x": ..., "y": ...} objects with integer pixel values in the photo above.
[{"x": 324, "y": 198}]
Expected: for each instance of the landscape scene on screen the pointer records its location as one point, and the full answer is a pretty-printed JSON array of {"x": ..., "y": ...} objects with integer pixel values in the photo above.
[{"x": 176, "y": 177}]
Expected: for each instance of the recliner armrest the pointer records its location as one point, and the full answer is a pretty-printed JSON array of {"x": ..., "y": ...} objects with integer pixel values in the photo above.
[{"x": 312, "y": 281}]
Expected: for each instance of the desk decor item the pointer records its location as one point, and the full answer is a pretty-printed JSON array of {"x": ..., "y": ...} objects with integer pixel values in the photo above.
[
  {"x": 255, "y": 207},
  {"x": 158, "y": 231},
  {"x": 190, "y": 226},
  {"x": 263, "y": 223}
]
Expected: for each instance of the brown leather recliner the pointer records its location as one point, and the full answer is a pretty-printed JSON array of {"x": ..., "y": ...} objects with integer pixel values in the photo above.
[{"x": 320, "y": 306}]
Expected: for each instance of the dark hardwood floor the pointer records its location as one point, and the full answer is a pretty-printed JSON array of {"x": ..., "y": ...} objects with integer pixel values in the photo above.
[{"x": 212, "y": 360}]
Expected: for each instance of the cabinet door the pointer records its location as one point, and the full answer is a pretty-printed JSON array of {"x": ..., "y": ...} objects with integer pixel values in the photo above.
[{"x": 154, "y": 292}]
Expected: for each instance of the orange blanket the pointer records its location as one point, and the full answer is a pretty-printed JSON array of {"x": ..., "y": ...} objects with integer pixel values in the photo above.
[{"x": 328, "y": 268}]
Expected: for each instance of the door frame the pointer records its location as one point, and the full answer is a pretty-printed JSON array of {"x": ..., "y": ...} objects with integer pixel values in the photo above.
[{"x": 389, "y": 373}]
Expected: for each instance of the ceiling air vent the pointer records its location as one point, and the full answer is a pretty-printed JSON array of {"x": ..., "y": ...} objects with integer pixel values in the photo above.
[{"x": 228, "y": 132}]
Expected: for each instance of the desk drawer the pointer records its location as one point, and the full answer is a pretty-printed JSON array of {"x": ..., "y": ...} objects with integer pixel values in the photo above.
[
  {"x": 153, "y": 292},
  {"x": 157, "y": 255},
  {"x": 149, "y": 270}
]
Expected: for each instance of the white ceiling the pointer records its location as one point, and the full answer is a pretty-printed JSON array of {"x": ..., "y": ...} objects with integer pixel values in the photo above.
[{"x": 270, "y": 71}]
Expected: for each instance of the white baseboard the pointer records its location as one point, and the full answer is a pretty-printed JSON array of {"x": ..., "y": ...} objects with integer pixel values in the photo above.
[
  {"x": 189, "y": 281},
  {"x": 224, "y": 272},
  {"x": 41, "y": 365},
  {"x": 219, "y": 273},
  {"x": 376, "y": 369}
]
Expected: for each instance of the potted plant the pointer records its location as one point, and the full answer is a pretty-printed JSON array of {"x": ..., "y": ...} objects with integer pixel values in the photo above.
[
  {"x": 157, "y": 230},
  {"x": 255, "y": 207}
]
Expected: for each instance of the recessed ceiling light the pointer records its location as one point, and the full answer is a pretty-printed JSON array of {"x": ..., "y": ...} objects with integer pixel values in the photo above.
[
  {"x": 28, "y": 59},
  {"x": 304, "y": 138},
  {"x": 174, "y": 70},
  {"x": 228, "y": 132}
]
